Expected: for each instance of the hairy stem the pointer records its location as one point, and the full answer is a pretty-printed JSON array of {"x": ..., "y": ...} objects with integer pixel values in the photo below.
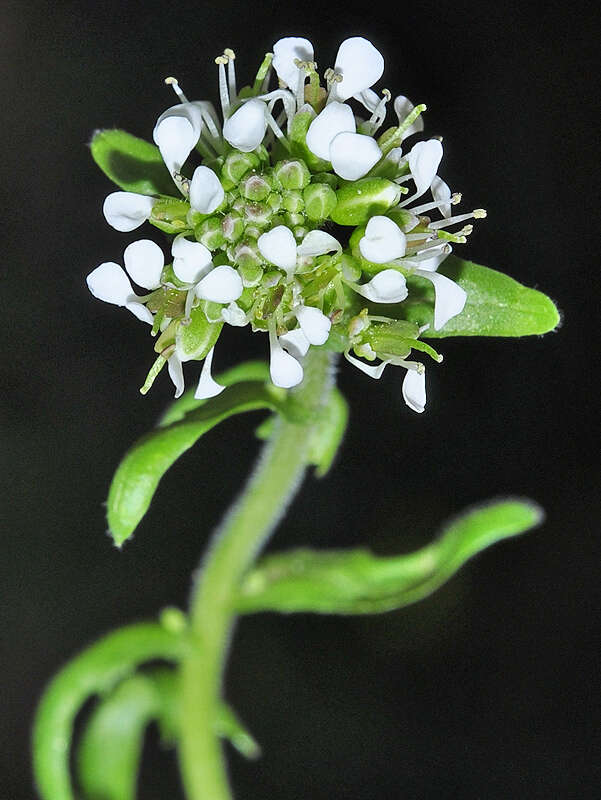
[{"x": 235, "y": 545}]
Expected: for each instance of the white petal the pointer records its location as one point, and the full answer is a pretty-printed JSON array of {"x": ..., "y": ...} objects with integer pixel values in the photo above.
[
  {"x": 315, "y": 325},
  {"x": 284, "y": 369},
  {"x": 438, "y": 256},
  {"x": 221, "y": 285},
  {"x": 369, "y": 99},
  {"x": 246, "y": 128},
  {"x": 318, "y": 243},
  {"x": 191, "y": 260},
  {"x": 414, "y": 390},
  {"x": 140, "y": 311},
  {"x": 207, "y": 386},
  {"x": 360, "y": 65},
  {"x": 109, "y": 282},
  {"x": 353, "y": 155},
  {"x": 388, "y": 286},
  {"x": 424, "y": 158},
  {"x": 374, "y": 371},
  {"x": 402, "y": 108},
  {"x": 440, "y": 191},
  {"x": 334, "y": 119},
  {"x": 278, "y": 246},
  {"x": 176, "y": 133},
  {"x": 383, "y": 241},
  {"x": 295, "y": 342},
  {"x": 449, "y": 297},
  {"x": 176, "y": 373},
  {"x": 126, "y": 211},
  {"x": 285, "y": 51},
  {"x": 234, "y": 315},
  {"x": 206, "y": 191},
  {"x": 144, "y": 261}
]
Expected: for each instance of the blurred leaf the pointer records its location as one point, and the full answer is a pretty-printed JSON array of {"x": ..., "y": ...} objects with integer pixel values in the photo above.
[
  {"x": 497, "y": 305},
  {"x": 133, "y": 164},
  {"x": 229, "y": 727},
  {"x": 358, "y": 582},
  {"x": 138, "y": 475},
  {"x": 97, "y": 670},
  {"x": 328, "y": 434}
]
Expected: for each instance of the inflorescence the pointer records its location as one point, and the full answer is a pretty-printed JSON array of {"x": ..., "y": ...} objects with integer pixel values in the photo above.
[{"x": 249, "y": 246}]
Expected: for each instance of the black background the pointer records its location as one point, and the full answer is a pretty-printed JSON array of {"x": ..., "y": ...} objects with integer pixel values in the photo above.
[{"x": 487, "y": 689}]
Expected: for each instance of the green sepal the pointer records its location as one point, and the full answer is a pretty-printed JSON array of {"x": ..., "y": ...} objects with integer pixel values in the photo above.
[
  {"x": 95, "y": 671},
  {"x": 194, "y": 340},
  {"x": 362, "y": 199},
  {"x": 170, "y": 215},
  {"x": 328, "y": 433},
  {"x": 358, "y": 582},
  {"x": 138, "y": 475},
  {"x": 496, "y": 305},
  {"x": 133, "y": 164},
  {"x": 228, "y": 726}
]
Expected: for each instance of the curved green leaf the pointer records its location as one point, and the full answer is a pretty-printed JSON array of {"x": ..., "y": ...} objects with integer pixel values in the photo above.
[
  {"x": 357, "y": 582},
  {"x": 328, "y": 434},
  {"x": 145, "y": 463},
  {"x": 497, "y": 305},
  {"x": 133, "y": 164},
  {"x": 96, "y": 670}
]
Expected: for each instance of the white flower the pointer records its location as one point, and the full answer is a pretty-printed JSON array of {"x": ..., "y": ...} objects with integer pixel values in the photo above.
[
  {"x": 314, "y": 324},
  {"x": 246, "y": 128},
  {"x": 144, "y": 261},
  {"x": 126, "y": 211},
  {"x": 284, "y": 369},
  {"x": 295, "y": 342},
  {"x": 449, "y": 300},
  {"x": 359, "y": 64},
  {"x": 207, "y": 385},
  {"x": 191, "y": 260},
  {"x": 206, "y": 191},
  {"x": 383, "y": 241},
  {"x": 110, "y": 283},
  {"x": 388, "y": 286},
  {"x": 234, "y": 315},
  {"x": 221, "y": 285},
  {"x": 285, "y": 52},
  {"x": 278, "y": 246},
  {"x": 402, "y": 108},
  {"x": 414, "y": 390},
  {"x": 424, "y": 159},
  {"x": 177, "y": 132},
  {"x": 332, "y": 136},
  {"x": 176, "y": 373}
]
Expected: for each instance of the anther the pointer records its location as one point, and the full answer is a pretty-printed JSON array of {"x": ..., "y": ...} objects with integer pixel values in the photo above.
[
  {"x": 221, "y": 60},
  {"x": 229, "y": 53},
  {"x": 456, "y": 198},
  {"x": 479, "y": 213},
  {"x": 174, "y": 83}
]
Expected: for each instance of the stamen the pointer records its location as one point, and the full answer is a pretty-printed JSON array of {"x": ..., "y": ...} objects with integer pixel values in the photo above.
[
  {"x": 224, "y": 97},
  {"x": 436, "y": 204},
  {"x": 231, "y": 73},
  {"x": 379, "y": 113},
  {"x": 174, "y": 83},
  {"x": 277, "y": 130},
  {"x": 478, "y": 213}
]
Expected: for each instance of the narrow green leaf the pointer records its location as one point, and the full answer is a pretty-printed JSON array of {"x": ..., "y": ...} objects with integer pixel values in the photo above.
[
  {"x": 357, "y": 582},
  {"x": 133, "y": 164},
  {"x": 96, "y": 670},
  {"x": 328, "y": 434},
  {"x": 142, "y": 467},
  {"x": 497, "y": 305}
]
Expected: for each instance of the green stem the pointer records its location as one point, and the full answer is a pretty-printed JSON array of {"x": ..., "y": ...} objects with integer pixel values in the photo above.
[{"x": 244, "y": 531}]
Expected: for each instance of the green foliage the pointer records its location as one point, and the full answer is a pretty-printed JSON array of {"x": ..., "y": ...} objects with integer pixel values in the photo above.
[
  {"x": 133, "y": 164},
  {"x": 358, "y": 582},
  {"x": 328, "y": 433},
  {"x": 497, "y": 305},
  {"x": 145, "y": 463},
  {"x": 96, "y": 671}
]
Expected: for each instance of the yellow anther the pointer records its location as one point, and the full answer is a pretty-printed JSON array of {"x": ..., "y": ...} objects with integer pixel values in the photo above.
[
  {"x": 456, "y": 198},
  {"x": 229, "y": 53},
  {"x": 386, "y": 93},
  {"x": 221, "y": 60},
  {"x": 479, "y": 213},
  {"x": 171, "y": 81}
]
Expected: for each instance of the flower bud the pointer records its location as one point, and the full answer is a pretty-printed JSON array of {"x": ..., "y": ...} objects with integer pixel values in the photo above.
[
  {"x": 293, "y": 220},
  {"x": 251, "y": 274},
  {"x": 326, "y": 177},
  {"x": 210, "y": 233},
  {"x": 320, "y": 201},
  {"x": 246, "y": 253},
  {"x": 237, "y": 164},
  {"x": 255, "y": 187},
  {"x": 292, "y": 200},
  {"x": 257, "y": 213},
  {"x": 232, "y": 226},
  {"x": 292, "y": 174}
]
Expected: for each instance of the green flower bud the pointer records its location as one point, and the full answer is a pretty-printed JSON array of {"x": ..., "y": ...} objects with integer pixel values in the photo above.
[
  {"x": 292, "y": 200},
  {"x": 246, "y": 254},
  {"x": 257, "y": 213},
  {"x": 274, "y": 201},
  {"x": 232, "y": 226},
  {"x": 170, "y": 215},
  {"x": 292, "y": 220},
  {"x": 300, "y": 232},
  {"x": 320, "y": 201},
  {"x": 237, "y": 164},
  {"x": 362, "y": 199},
  {"x": 251, "y": 274},
  {"x": 351, "y": 268},
  {"x": 239, "y": 204},
  {"x": 210, "y": 233},
  {"x": 326, "y": 177},
  {"x": 292, "y": 174},
  {"x": 255, "y": 187}
]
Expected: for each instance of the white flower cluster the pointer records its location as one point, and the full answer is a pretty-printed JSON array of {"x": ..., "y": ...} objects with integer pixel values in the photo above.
[{"x": 340, "y": 143}]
